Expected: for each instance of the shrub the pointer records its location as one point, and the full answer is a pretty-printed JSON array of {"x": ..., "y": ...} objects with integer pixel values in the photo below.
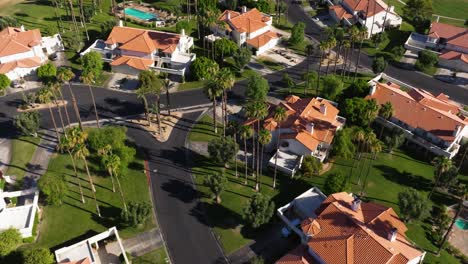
[
  {"x": 9, "y": 241},
  {"x": 335, "y": 182},
  {"x": 426, "y": 59},
  {"x": 137, "y": 213},
  {"x": 413, "y": 205},
  {"x": 54, "y": 187},
  {"x": 38, "y": 256},
  {"x": 259, "y": 210}
]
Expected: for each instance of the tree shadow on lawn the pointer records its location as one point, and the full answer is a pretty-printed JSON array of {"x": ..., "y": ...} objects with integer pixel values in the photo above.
[
  {"x": 440, "y": 198},
  {"x": 404, "y": 178},
  {"x": 75, "y": 240},
  {"x": 110, "y": 216}
]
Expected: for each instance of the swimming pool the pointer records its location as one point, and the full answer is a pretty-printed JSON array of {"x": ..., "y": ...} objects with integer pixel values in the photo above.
[
  {"x": 461, "y": 224},
  {"x": 139, "y": 14}
]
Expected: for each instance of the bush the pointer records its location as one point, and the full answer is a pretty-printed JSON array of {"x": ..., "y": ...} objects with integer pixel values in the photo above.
[
  {"x": 259, "y": 210},
  {"x": 413, "y": 204},
  {"x": 222, "y": 150},
  {"x": 398, "y": 51},
  {"x": 38, "y": 256},
  {"x": 4, "y": 82},
  {"x": 9, "y": 241},
  {"x": 54, "y": 187},
  {"x": 137, "y": 213},
  {"x": 426, "y": 60},
  {"x": 203, "y": 68},
  {"x": 334, "y": 183}
]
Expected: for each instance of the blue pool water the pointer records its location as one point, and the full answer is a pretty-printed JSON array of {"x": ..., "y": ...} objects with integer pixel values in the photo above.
[
  {"x": 139, "y": 14},
  {"x": 461, "y": 224}
]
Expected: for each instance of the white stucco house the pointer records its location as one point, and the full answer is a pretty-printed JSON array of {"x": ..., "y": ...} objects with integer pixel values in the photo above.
[
  {"x": 21, "y": 215},
  {"x": 251, "y": 28},
  {"x": 131, "y": 50},
  {"x": 375, "y": 15},
  {"x": 23, "y": 51}
]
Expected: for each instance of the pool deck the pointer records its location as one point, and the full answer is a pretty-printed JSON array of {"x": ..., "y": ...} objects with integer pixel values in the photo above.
[{"x": 458, "y": 237}]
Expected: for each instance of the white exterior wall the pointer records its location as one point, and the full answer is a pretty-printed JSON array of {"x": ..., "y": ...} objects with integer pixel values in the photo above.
[
  {"x": 296, "y": 147},
  {"x": 20, "y": 72},
  {"x": 136, "y": 54},
  {"x": 258, "y": 32},
  {"x": 271, "y": 44},
  {"x": 18, "y": 56}
]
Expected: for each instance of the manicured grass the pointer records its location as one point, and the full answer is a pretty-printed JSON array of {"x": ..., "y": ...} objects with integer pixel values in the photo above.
[
  {"x": 430, "y": 70},
  {"x": 72, "y": 219},
  {"x": 395, "y": 38},
  {"x": 270, "y": 64},
  {"x": 22, "y": 150},
  {"x": 193, "y": 85},
  {"x": 157, "y": 256},
  {"x": 451, "y": 8},
  {"x": 300, "y": 48},
  {"x": 203, "y": 130}
]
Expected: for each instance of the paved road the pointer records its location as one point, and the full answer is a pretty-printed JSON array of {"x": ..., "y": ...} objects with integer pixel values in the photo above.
[{"x": 414, "y": 78}]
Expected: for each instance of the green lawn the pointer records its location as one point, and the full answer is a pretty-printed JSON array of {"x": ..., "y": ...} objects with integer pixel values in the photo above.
[
  {"x": 451, "y": 8},
  {"x": 157, "y": 256},
  {"x": 394, "y": 38},
  {"x": 193, "y": 85},
  {"x": 203, "y": 130},
  {"x": 430, "y": 70},
  {"x": 22, "y": 151},
  {"x": 72, "y": 219},
  {"x": 270, "y": 64}
]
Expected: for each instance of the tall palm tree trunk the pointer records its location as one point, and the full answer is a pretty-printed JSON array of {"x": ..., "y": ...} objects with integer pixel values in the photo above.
[
  {"x": 65, "y": 107},
  {"x": 245, "y": 160},
  {"x": 257, "y": 184},
  {"x": 76, "y": 175},
  {"x": 449, "y": 230},
  {"x": 348, "y": 72},
  {"x": 94, "y": 104},
  {"x": 253, "y": 151},
  {"x": 276, "y": 156},
  {"x": 92, "y": 186},
  {"x": 75, "y": 106},
  {"x": 343, "y": 68},
  {"x": 337, "y": 57},
  {"x": 55, "y": 124},
  {"x": 121, "y": 193},
  {"x": 328, "y": 62},
  {"x": 112, "y": 179},
  {"x": 147, "y": 115},
  {"x": 72, "y": 12},
  {"x": 158, "y": 113},
  {"x": 357, "y": 61},
  {"x": 215, "y": 127}
]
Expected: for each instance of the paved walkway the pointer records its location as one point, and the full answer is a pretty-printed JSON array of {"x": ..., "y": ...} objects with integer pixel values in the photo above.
[
  {"x": 5, "y": 154},
  {"x": 140, "y": 244}
]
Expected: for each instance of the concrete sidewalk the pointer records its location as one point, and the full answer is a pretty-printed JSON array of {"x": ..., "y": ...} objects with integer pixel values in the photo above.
[
  {"x": 5, "y": 154},
  {"x": 143, "y": 243}
]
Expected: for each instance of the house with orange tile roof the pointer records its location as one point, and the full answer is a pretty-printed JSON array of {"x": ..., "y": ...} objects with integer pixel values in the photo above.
[
  {"x": 309, "y": 127},
  {"x": 344, "y": 229},
  {"x": 432, "y": 122},
  {"x": 375, "y": 15},
  {"x": 23, "y": 51},
  {"x": 131, "y": 50},
  {"x": 449, "y": 42},
  {"x": 251, "y": 28},
  {"x": 94, "y": 250}
]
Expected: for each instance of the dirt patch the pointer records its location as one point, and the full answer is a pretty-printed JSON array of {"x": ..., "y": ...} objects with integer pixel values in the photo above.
[
  {"x": 4, "y": 4},
  {"x": 167, "y": 124},
  {"x": 331, "y": 58},
  {"x": 35, "y": 107}
]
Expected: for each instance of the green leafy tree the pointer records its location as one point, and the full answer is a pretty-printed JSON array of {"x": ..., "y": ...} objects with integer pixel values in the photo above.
[
  {"x": 222, "y": 150},
  {"x": 224, "y": 48},
  {"x": 279, "y": 115},
  {"x": 7, "y": 21},
  {"x": 203, "y": 68},
  {"x": 185, "y": 25},
  {"x": 413, "y": 205},
  {"x": 394, "y": 140},
  {"x": 449, "y": 178},
  {"x": 343, "y": 145},
  {"x": 331, "y": 87},
  {"x": 288, "y": 82},
  {"x": 309, "y": 78},
  {"x": 9, "y": 241},
  {"x": 27, "y": 122},
  {"x": 148, "y": 81},
  {"x": 259, "y": 210},
  {"x": 426, "y": 59},
  {"x": 441, "y": 165},
  {"x": 398, "y": 51},
  {"x": 385, "y": 112},
  {"x": 264, "y": 6},
  {"x": 417, "y": 9},
  {"x": 359, "y": 88},
  {"x": 297, "y": 34},
  {"x": 379, "y": 64},
  {"x": 4, "y": 82},
  {"x": 257, "y": 88},
  {"x": 37, "y": 256},
  {"x": 92, "y": 64},
  {"x": 440, "y": 222},
  {"x": 213, "y": 90},
  {"x": 54, "y": 187},
  {"x": 335, "y": 182},
  {"x": 216, "y": 183},
  {"x": 241, "y": 58},
  {"x": 311, "y": 166},
  {"x": 359, "y": 111},
  {"x": 136, "y": 214},
  {"x": 257, "y": 260},
  {"x": 46, "y": 73}
]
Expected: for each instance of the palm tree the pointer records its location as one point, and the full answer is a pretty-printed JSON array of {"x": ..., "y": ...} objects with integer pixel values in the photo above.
[
  {"x": 346, "y": 45},
  {"x": 112, "y": 164},
  {"x": 89, "y": 79},
  {"x": 322, "y": 46},
  {"x": 72, "y": 12},
  {"x": 44, "y": 96},
  {"x": 309, "y": 52},
  {"x": 264, "y": 138},
  {"x": 353, "y": 33},
  {"x": 369, "y": 142},
  {"x": 67, "y": 145},
  {"x": 167, "y": 85},
  {"x": 374, "y": 148},
  {"x": 339, "y": 36},
  {"x": 59, "y": 16},
  {"x": 258, "y": 111},
  {"x": 141, "y": 94},
  {"x": 360, "y": 37},
  {"x": 279, "y": 116},
  {"x": 385, "y": 112},
  {"x": 246, "y": 132},
  {"x": 441, "y": 165},
  {"x": 225, "y": 80},
  {"x": 66, "y": 75},
  {"x": 331, "y": 44},
  {"x": 82, "y": 18},
  {"x": 55, "y": 88},
  {"x": 213, "y": 90},
  {"x": 358, "y": 137},
  {"x": 60, "y": 81}
]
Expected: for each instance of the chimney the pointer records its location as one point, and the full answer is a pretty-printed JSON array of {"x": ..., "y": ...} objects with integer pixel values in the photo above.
[
  {"x": 182, "y": 32},
  {"x": 244, "y": 9},
  {"x": 392, "y": 234},
  {"x": 372, "y": 89},
  {"x": 120, "y": 24},
  {"x": 356, "y": 204},
  {"x": 22, "y": 28},
  {"x": 323, "y": 109},
  {"x": 228, "y": 15},
  {"x": 310, "y": 128}
]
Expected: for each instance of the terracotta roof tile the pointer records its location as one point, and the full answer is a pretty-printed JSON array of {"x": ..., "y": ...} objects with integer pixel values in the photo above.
[
  {"x": 362, "y": 6},
  {"x": 81, "y": 261},
  {"x": 453, "y": 55},
  {"x": 340, "y": 12},
  {"x": 262, "y": 39},
  {"x": 14, "y": 41},
  {"x": 420, "y": 109},
  {"x": 134, "y": 62},
  {"x": 299, "y": 255},
  {"x": 24, "y": 63},
  {"x": 454, "y": 35},
  {"x": 249, "y": 21}
]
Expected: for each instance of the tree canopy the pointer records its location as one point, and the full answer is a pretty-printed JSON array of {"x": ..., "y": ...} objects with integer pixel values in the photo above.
[
  {"x": 335, "y": 182},
  {"x": 27, "y": 123},
  {"x": 331, "y": 87},
  {"x": 241, "y": 57},
  {"x": 413, "y": 204},
  {"x": 9, "y": 241},
  {"x": 426, "y": 59},
  {"x": 37, "y": 256},
  {"x": 92, "y": 64},
  {"x": 185, "y": 25},
  {"x": 359, "y": 111},
  {"x": 4, "y": 82},
  {"x": 360, "y": 88},
  {"x": 217, "y": 183},
  {"x": 54, "y": 187},
  {"x": 259, "y": 210},
  {"x": 225, "y": 48},
  {"x": 257, "y": 88},
  {"x": 222, "y": 150},
  {"x": 149, "y": 82},
  {"x": 47, "y": 72},
  {"x": 203, "y": 68},
  {"x": 343, "y": 145},
  {"x": 379, "y": 64},
  {"x": 136, "y": 214},
  {"x": 311, "y": 166},
  {"x": 417, "y": 9},
  {"x": 297, "y": 33}
]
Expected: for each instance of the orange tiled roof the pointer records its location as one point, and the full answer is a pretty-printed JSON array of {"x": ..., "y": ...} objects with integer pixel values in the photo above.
[
  {"x": 298, "y": 255},
  {"x": 420, "y": 109},
  {"x": 134, "y": 62},
  {"x": 340, "y": 12},
  {"x": 262, "y": 39},
  {"x": 249, "y": 21},
  {"x": 301, "y": 112},
  {"x": 366, "y": 6},
  {"x": 348, "y": 236},
  {"x": 81, "y": 261},
  {"x": 24, "y": 63},
  {"x": 453, "y": 55},
  {"x": 145, "y": 41},
  {"x": 455, "y": 35},
  {"x": 14, "y": 41}
]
